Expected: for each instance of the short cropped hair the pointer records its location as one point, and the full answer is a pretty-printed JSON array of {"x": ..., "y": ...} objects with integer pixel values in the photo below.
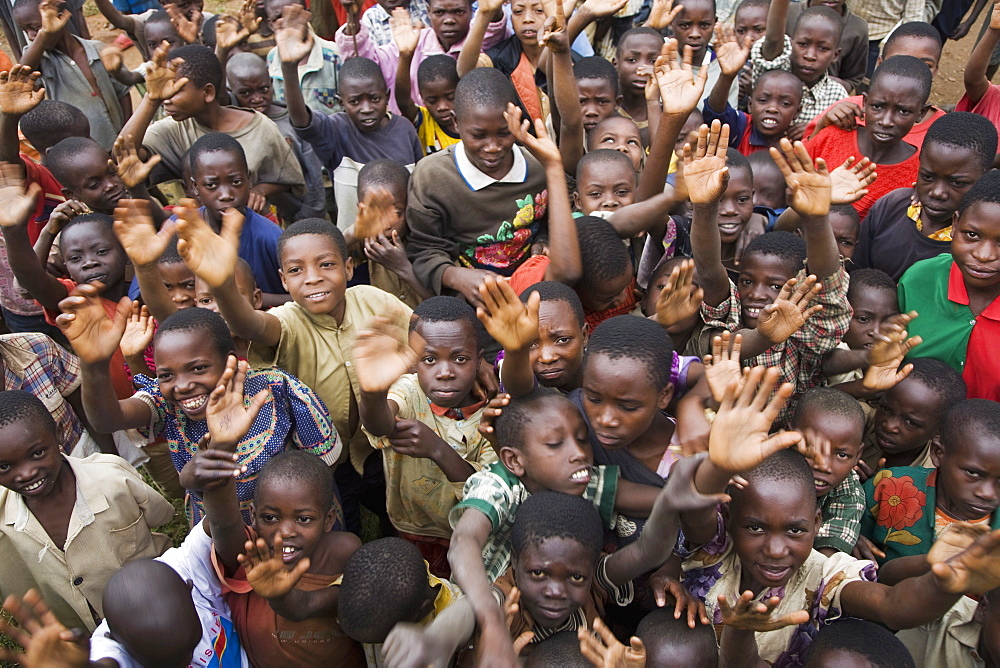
[
  {"x": 986, "y": 189},
  {"x": 870, "y": 279},
  {"x": 635, "y": 338},
  {"x": 483, "y": 88},
  {"x": 519, "y": 413},
  {"x": 659, "y": 628},
  {"x": 785, "y": 466},
  {"x": 384, "y": 583},
  {"x": 20, "y": 406},
  {"x": 918, "y": 29},
  {"x": 980, "y": 416},
  {"x": 102, "y": 219},
  {"x": 439, "y": 67},
  {"x": 778, "y": 74},
  {"x": 906, "y": 67},
  {"x": 604, "y": 256},
  {"x": 604, "y": 156},
  {"x": 549, "y": 514},
  {"x": 298, "y": 467},
  {"x": 822, "y": 13},
  {"x": 360, "y": 68},
  {"x": 832, "y": 402},
  {"x": 383, "y": 172},
  {"x": 597, "y": 67},
  {"x": 561, "y": 650},
  {"x": 209, "y": 323},
  {"x": 879, "y": 646},
  {"x": 170, "y": 254},
  {"x": 51, "y": 122},
  {"x": 213, "y": 142},
  {"x": 940, "y": 378},
  {"x": 61, "y": 159},
  {"x": 789, "y": 247},
  {"x": 553, "y": 291},
  {"x": 200, "y": 66},
  {"x": 964, "y": 129},
  {"x": 736, "y": 160},
  {"x": 746, "y": 4},
  {"x": 449, "y": 309},
  {"x": 314, "y": 226}
]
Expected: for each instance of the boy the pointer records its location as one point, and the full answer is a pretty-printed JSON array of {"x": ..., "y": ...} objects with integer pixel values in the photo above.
[
  {"x": 969, "y": 277},
  {"x": 896, "y": 98},
  {"x": 311, "y": 337},
  {"x": 967, "y": 631},
  {"x": 846, "y": 226},
  {"x": 908, "y": 507},
  {"x": 670, "y": 643},
  {"x": 437, "y": 78},
  {"x": 859, "y": 643},
  {"x": 808, "y": 54},
  {"x": 318, "y": 69},
  {"x": 426, "y": 423},
  {"x": 851, "y": 65},
  {"x": 957, "y": 150},
  {"x": 71, "y": 68},
  {"x": 749, "y": 23},
  {"x": 189, "y": 92},
  {"x": 693, "y": 27},
  {"x": 599, "y": 86},
  {"x": 68, "y": 524}
]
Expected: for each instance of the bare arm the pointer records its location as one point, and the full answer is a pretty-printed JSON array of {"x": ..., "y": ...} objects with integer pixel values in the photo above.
[
  {"x": 469, "y": 56},
  {"x": 774, "y": 37},
  {"x": 646, "y": 216},
  {"x": 104, "y": 441},
  {"x": 115, "y": 17},
  {"x": 465, "y": 555},
  {"x": 909, "y": 603},
  {"x": 294, "y": 42},
  {"x": 404, "y": 96},
  {"x": 976, "y": 82}
]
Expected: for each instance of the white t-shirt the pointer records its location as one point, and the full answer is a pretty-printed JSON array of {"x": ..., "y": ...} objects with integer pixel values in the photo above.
[{"x": 219, "y": 646}]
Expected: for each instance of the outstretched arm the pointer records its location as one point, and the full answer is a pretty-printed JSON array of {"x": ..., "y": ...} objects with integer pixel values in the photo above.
[
  {"x": 294, "y": 42},
  {"x": 54, "y": 17},
  {"x": 406, "y": 36},
  {"x": 514, "y": 325},
  {"x": 115, "y": 17},
  {"x": 162, "y": 83},
  {"x": 144, "y": 246},
  {"x": 732, "y": 54},
  {"x": 17, "y": 97},
  {"x": 469, "y": 56},
  {"x": 976, "y": 81},
  {"x": 774, "y": 36},
  {"x": 379, "y": 360},
  {"x": 706, "y": 177}
]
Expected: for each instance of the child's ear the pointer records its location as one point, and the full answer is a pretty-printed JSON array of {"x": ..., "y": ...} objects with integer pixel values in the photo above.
[
  {"x": 937, "y": 450},
  {"x": 281, "y": 275},
  {"x": 339, "y": 100},
  {"x": 575, "y": 196},
  {"x": 258, "y": 299},
  {"x": 836, "y": 55},
  {"x": 618, "y": 101},
  {"x": 329, "y": 520},
  {"x": 512, "y": 460},
  {"x": 349, "y": 267},
  {"x": 253, "y": 513},
  {"x": 209, "y": 93},
  {"x": 666, "y": 394}
]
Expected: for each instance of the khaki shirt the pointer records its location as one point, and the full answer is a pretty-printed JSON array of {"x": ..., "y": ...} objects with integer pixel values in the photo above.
[{"x": 952, "y": 640}]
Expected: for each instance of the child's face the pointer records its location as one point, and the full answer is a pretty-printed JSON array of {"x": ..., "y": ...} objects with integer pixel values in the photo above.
[
  {"x": 774, "y": 104},
  {"x": 205, "y": 299},
  {"x": 620, "y": 399},
  {"x": 872, "y": 307},
  {"x": 693, "y": 27},
  {"x": 557, "y": 356},
  {"x": 28, "y": 19},
  {"x": 554, "y": 577},
  {"x": 95, "y": 182},
  {"x": 835, "y": 5},
  {"x": 769, "y": 187},
  {"x": 907, "y": 417},
  {"x": 365, "y": 102},
  {"x": 293, "y": 511},
  {"x": 845, "y": 231},
  {"x": 974, "y": 245},
  {"x": 554, "y": 452},
  {"x": 751, "y": 22},
  {"x": 527, "y": 17},
  {"x": 487, "y": 140},
  {"x": 439, "y": 98},
  {"x": 179, "y": 282},
  {"x": 597, "y": 101},
  {"x": 92, "y": 253},
  {"x": 189, "y": 101},
  {"x": 608, "y": 294},
  {"x": 772, "y": 526},
  {"x": 635, "y": 52},
  {"x": 605, "y": 186},
  {"x": 447, "y": 363},
  {"x": 187, "y": 371},
  {"x": 450, "y": 20},
  {"x": 946, "y": 174},
  {"x": 252, "y": 91},
  {"x": 736, "y": 205},
  {"x": 620, "y": 134},
  {"x": 656, "y": 285},
  {"x": 893, "y": 104},
  {"x": 30, "y": 459},
  {"x": 188, "y": 7},
  {"x": 814, "y": 48},
  {"x": 968, "y": 480},
  {"x": 925, "y": 49},
  {"x": 398, "y": 193},
  {"x": 221, "y": 181},
  {"x": 157, "y": 33},
  {"x": 844, "y": 436},
  {"x": 760, "y": 280},
  {"x": 315, "y": 274}
]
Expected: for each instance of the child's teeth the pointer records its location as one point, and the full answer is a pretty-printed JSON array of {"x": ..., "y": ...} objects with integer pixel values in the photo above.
[{"x": 288, "y": 550}]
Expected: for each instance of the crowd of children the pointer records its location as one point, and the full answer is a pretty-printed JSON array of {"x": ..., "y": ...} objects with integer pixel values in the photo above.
[{"x": 513, "y": 332}]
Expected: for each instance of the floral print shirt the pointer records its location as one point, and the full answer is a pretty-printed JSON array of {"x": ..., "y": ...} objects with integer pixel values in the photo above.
[{"x": 714, "y": 569}]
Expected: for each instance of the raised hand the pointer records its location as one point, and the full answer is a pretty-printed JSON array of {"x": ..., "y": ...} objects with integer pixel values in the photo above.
[
  {"x": 54, "y": 15},
  {"x": 602, "y": 8},
  {"x": 975, "y": 570},
  {"x": 604, "y": 650},
  {"x": 380, "y": 357},
  {"x": 540, "y": 145},
  {"x": 740, "y": 437},
  {"x": 731, "y": 51},
  {"x": 404, "y": 33},
  {"x": 788, "y": 313},
  {"x": 411, "y": 646},
  {"x": 511, "y": 322},
  {"x": 229, "y": 32},
  {"x": 161, "y": 77},
  {"x": 16, "y": 204},
  {"x": 228, "y": 415},
  {"x": 212, "y": 257},
  {"x": 137, "y": 234},
  {"x": 493, "y": 410},
  {"x": 995, "y": 16},
  {"x": 662, "y": 14},
  {"x": 45, "y": 640},
  {"x": 889, "y": 350},
  {"x": 748, "y": 615},
  {"x": 292, "y": 36},
  {"x": 93, "y": 335},
  {"x": 188, "y": 29},
  {"x": 705, "y": 173},
  {"x": 955, "y": 539},
  {"x": 266, "y": 571},
  {"x": 376, "y": 214},
  {"x": 809, "y": 183},
  {"x": 892, "y": 343},
  {"x": 248, "y": 18},
  {"x": 850, "y": 181},
  {"x": 680, "y": 89},
  {"x": 209, "y": 468},
  {"x": 844, "y": 115},
  {"x": 65, "y": 212},
  {"x": 139, "y": 331},
  {"x": 723, "y": 367},
  {"x": 685, "y": 604},
  {"x": 131, "y": 169},
  {"x": 680, "y": 493},
  {"x": 679, "y": 299},
  {"x": 553, "y": 34},
  {"x": 112, "y": 58},
  {"x": 17, "y": 90}
]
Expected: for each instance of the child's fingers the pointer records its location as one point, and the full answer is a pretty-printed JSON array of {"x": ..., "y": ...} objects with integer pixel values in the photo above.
[{"x": 713, "y": 137}]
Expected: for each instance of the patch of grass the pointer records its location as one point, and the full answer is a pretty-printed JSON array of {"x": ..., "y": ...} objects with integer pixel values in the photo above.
[{"x": 178, "y": 527}]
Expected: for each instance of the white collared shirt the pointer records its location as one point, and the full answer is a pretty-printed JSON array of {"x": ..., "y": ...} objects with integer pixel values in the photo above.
[{"x": 477, "y": 180}]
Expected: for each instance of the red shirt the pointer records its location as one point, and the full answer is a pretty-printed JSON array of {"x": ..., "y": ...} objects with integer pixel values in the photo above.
[{"x": 917, "y": 132}]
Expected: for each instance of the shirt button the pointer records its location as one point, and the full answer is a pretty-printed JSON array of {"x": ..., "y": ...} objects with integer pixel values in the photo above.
[
  {"x": 973, "y": 322},
  {"x": 77, "y": 582},
  {"x": 348, "y": 363}
]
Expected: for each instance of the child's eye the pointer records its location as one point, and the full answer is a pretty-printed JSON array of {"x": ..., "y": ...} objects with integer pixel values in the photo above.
[
  {"x": 594, "y": 194},
  {"x": 577, "y": 578},
  {"x": 972, "y": 474},
  {"x": 634, "y": 142},
  {"x": 268, "y": 517},
  {"x": 304, "y": 519},
  {"x": 622, "y": 193},
  {"x": 199, "y": 368},
  {"x": 327, "y": 264},
  {"x": 4, "y": 468},
  {"x": 292, "y": 270},
  {"x": 796, "y": 531},
  {"x": 862, "y": 319},
  {"x": 461, "y": 359},
  {"x": 164, "y": 377},
  {"x": 428, "y": 360},
  {"x": 564, "y": 340},
  {"x": 753, "y": 528},
  {"x": 536, "y": 573},
  {"x": 971, "y": 235},
  {"x": 628, "y": 409},
  {"x": 39, "y": 453},
  {"x": 842, "y": 455}
]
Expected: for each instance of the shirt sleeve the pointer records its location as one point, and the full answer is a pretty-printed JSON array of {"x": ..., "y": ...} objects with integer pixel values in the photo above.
[
  {"x": 313, "y": 429},
  {"x": 486, "y": 492},
  {"x": 63, "y": 367},
  {"x": 724, "y": 316},
  {"x": 156, "y": 511},
  {"x": 842, "y": 511},
  {"x": 736, "y": 120},
  {"x": 759, "y": 64},
  {"x": 840, "y": 570},
  {"x": 149, "y": 394},
  {"x": 324, "y": 136}
]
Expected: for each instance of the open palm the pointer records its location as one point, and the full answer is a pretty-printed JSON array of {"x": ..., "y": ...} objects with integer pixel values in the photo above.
[
  {"x": 266, "y": 572},
  {"x": 212, "y": 257},
  {"x": 975, "y": 570},
  {"x": 17, "y": 90},
  {"x": 138, "y": 236},
  {"x": 511, "y": 322},
  {"x": 680, "y": 89},
  {"x": 705, "y": 173},
  {"x": 93, "y": 335},
  {"x": 380, "y": 356},
  {"x": 849, "y": 182},
  {"x": 16, "y": 204},
  {"x": 810, "y": 183},
  {"x": 731, "y": 51},
  {"x": 292, "y": 37},
  {"x": 228, "y": 415}
]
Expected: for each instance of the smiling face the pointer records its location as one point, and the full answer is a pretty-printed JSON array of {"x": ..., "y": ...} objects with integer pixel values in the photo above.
[
  {"x": 908, "y": 416},
  {"x": 252, "y": 90},
  {"x": 774, "y": 104},
  {"x": 94, "y": 182},
  {"x": 892, "y": 106},
  {"x": 439, "y": 98},
  {"x": 736, "y": 206},
  {"x": 30, "y": 459},
  {"x": 179, "y": 282},
  {"x": 287, "y": 508},
  {"x": 760, "y": 280},
  {"x": 975, "y": 246},
  {"x": 557, "y": 356},
  {"x": 634, "y": 52},
  {"x": 365, "y": 101},
  {"x": 187, "y": 370},
  {"x": 844, "y": 435},
  {"x": 554, "y": 577},
  {"x": 597, "y": 101},
  {"x": 968, "y": 479},
  {"x": 527, "y": 17},
  {"x": 450, "y": 20},
  {"x": 750, "y": 21},
  {"x": 315, "y": 275},
  {"x": 693, "y": 27},
  {"x": 447, "y": 363},
  {"x": 946, "y": 174},
  {"x": 220, "y": 178},
  {"x": 872, "y": 307},
  {"x": 605, "y": 186},
  {"x": 487, "y": 141},
  {"x": 814, "y": 48},
  {"x": 553, "y": 452},
  {"x": 620, "y": 400},
  {"x": 92, "y": 253}
]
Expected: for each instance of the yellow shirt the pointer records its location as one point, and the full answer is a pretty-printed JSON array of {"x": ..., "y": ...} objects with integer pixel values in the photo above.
[
  {"x": 432, "y": 136},
  {"x": 318, "y": 350}
]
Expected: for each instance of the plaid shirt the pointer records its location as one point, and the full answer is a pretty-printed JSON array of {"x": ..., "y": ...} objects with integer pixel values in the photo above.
[
  {"x": 842, "y": 509},
  {"x": 800, "y": 358},
  {"x": 498, "y": 493},
  {"x": 815, "y": 98},
  {"x": 376, "y": 20},
  {"x": 882, "y": 16}
]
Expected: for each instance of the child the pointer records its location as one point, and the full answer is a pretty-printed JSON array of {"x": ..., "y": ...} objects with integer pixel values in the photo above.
[
  {"x": 750, "y": 24},
  {"x": 426, "y": 423},
  {"x": 437, "y": 78},
  {"x": 769, "y": 194},
  {"x": 318, "y": 69},
  {"x": 909, "y": 416},
  {"x": 859, "y": 643},
  {"x": 675, "y": 278},
  {"x": 192, "y": 351},
  {"x": 737, "y": 221},
  {"x": 68, "y": 523},
  {"x": 637, "y": 52},
  {"x": 71, "y": 68},
  {"x": 896, "y": 98},
  {"x": 981, "y": 94},
  {"x": 969, "y": 277},
  {"x": 311, "y": 337},
  {"x": 670, "y": 643},
  {"x": 620, "y": 134},
  {"x": 246, "y": 286},
  {"x": 599, "y": 85},
  {"x": 850, "y": 66},
  {"x": 968, "y": 630},
  {"x": 774, "y": 102},
  {"x": 808, "y": 54},
  {"x": 908, "y": 507},
  {"x": 693, "y": 27},
  {"x": 957, "y": 150}
]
